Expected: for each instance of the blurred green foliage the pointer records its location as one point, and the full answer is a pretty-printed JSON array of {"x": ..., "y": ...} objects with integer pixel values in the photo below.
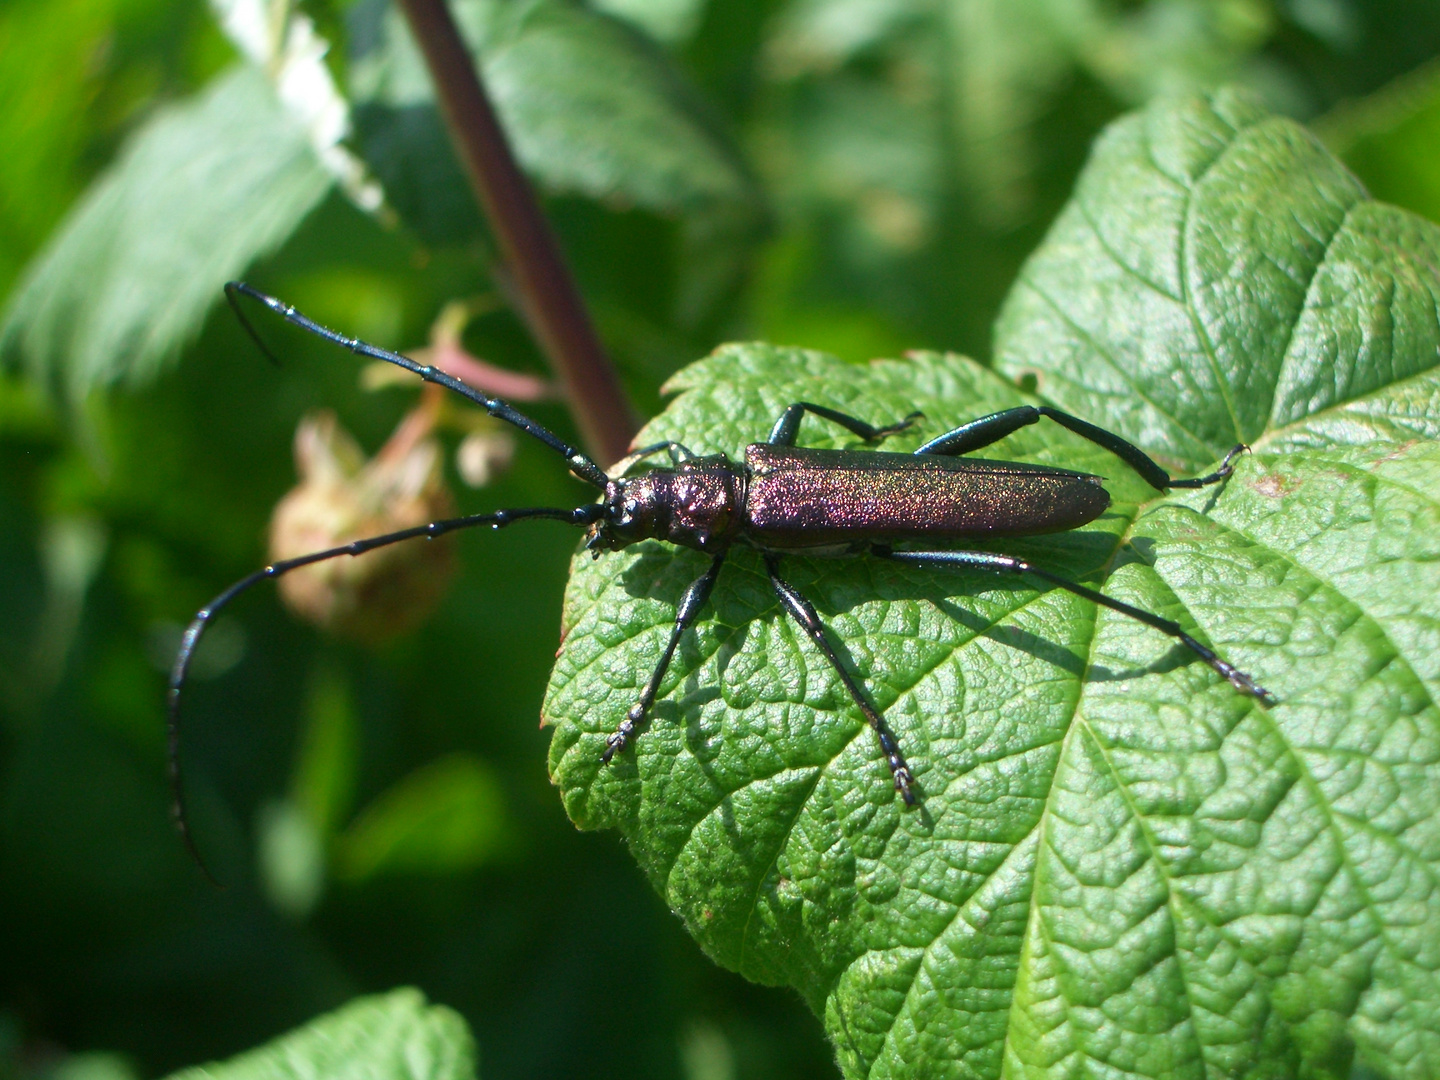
[{"x": 862, "y": 176}]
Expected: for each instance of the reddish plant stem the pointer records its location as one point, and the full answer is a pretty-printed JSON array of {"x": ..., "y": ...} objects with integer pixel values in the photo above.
[{"x": 549, "y": 300}]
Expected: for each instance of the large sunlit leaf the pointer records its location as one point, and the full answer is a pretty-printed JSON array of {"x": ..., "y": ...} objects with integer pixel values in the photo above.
[
  {"x": 199, "y": 193},
  {"x": 394, "y": 1036},
  {"x": 1238, "y": 286},
  {"x": 1119, "y": 864}
]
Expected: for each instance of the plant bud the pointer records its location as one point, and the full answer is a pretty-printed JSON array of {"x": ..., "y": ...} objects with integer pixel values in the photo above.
[
  {"x": 483, "y": 455},
  {"x": 342, "y": 496}
]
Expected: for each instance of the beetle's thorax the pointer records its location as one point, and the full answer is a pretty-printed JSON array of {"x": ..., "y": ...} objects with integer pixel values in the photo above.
[{"x": 697, "y": 505}]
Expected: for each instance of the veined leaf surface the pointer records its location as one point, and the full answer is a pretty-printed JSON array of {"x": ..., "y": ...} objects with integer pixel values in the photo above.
[{"x": 1118, "y": 864}]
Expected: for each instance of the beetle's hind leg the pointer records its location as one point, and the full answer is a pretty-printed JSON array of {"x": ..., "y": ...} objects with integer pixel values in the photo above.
[
  {"x": 803, "y": 612},
  {"x": 691, "y": 604},
  {"x": 788, "y": 426},
  {"x": 1227, "y": 467},
  {"x": 984, "y": 560},
  {"x": 989, "y": 429}
]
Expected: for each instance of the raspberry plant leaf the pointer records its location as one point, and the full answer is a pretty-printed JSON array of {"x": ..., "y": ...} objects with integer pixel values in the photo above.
[
  {"x": 591, "y": 107},
  {"x": 1118, "y": 862},
  {"x": 394, "y": 1036},
  {"x": 203, "y": 189},
  {"x": 1238, "y": 285}
]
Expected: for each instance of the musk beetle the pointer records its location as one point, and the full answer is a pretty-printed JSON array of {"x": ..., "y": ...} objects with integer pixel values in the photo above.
[{"x": 782, "y": 499}]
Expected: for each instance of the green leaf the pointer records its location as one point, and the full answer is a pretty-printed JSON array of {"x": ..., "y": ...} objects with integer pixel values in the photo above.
[
  {"x": 1119, "y": 863},
  {"x": 670, "y": 21},
  {"x": 589, "y": 105},
  {"x": 1388, "y": 140},
  {"x": 290, "y": 853},
  {"x": 323, "y": 787},
  {"x": 37, "y": 171},
  {"x": 199, "y": 193},
  {"x": 1239, "y": 286},
  {"x": 1003, "y": 68},
  {"x": 394, "y": 1036},
  {"x": 443, "y": 817}
]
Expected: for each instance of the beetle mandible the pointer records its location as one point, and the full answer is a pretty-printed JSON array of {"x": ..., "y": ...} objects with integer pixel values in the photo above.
[{"x": 781, "y": 499}]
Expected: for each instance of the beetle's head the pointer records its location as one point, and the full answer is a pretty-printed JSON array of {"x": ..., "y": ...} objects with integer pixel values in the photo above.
[{"x": 626, "y": 515}]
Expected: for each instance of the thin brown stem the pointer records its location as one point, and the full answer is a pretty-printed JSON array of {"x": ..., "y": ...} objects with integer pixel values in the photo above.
[{"x": 549, "y": 300}]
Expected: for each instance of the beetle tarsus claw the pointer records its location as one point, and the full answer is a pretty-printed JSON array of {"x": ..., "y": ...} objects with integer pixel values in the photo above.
[
  {"x": 904, "y": 785},
  {"x": 618, "y": 740}
]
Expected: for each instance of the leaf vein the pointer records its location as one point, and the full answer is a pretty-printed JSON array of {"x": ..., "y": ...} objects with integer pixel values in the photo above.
[
  {"x": 1328, "y": 245},
  {"x": 965, "y": 905},
  {"x": 1111, "y": 362},
  {"x": 1171, "y": 893},
  {"x": 1034, "y": 916},
  {"x": 774, "y": 860},
  {"x": 1109, "y": 250},
  {"x": 1289, "y": 558},
  {"x": 1188, "y": 301}
]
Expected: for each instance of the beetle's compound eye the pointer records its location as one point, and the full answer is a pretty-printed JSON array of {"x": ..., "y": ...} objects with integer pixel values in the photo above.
[{"x": 621, "y": 506}]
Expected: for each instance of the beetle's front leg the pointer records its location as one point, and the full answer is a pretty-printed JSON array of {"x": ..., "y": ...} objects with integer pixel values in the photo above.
[
  {"x": 679, "y": 454},
  {"x": 803, "y": 612},
  {"x": 691, "y": 604}
]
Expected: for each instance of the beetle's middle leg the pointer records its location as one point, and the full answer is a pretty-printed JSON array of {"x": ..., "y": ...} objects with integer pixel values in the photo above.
[
  {"x": 691, "y": 604},
  {"x": 804, "y": 613},
  {"x": 993, "y": 428},
  {"x": 788, "y": 426},
  {"x": 984, "y": 560}
]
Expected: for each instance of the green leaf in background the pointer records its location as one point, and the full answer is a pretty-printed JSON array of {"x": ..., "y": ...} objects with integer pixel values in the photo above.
[
  {"x": 989, "y": 99},
  {"x": 1119, "y": 863},
  {"x": 35, "y": 173},
  {"x": 394, "y": 1036},
  {"x": 590, "y": 106},
  {"x": 200, "y": 192},
  {"x": 444, "y": 817},
  {"x": 1388, "y": 140},
  {"x": 998, "y": 66},
  {"x": 669, "y": 21},
  {"x": 325, "y": 770}
]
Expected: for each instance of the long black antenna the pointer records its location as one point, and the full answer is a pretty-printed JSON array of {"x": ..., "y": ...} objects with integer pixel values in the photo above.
[
  {"x": 580, "y": 464},
  {"x": 498, "y": 519}
]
